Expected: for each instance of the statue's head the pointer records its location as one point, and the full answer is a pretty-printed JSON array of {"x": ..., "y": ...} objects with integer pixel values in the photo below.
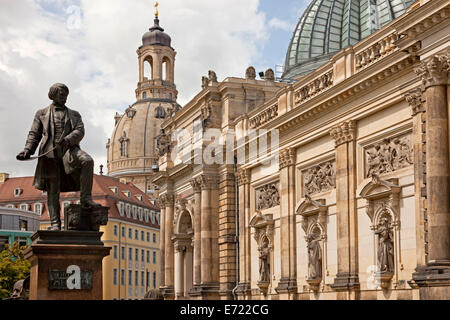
[{"x": 58, "y": 93}]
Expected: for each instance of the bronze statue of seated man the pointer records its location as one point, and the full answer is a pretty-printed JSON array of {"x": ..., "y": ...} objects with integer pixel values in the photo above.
[{"x": 62, "y": 166}]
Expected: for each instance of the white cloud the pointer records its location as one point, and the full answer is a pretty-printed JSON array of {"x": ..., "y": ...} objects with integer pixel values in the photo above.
[
  {"x": 280, "y": 24},
  {"x": 98, "y": 61}
]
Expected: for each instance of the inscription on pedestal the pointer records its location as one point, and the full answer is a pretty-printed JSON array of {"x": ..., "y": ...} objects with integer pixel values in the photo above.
[{"x": 65, "y": 280}]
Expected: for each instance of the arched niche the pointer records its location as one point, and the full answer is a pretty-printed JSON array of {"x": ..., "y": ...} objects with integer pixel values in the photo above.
[
  {"x": 313, "y": 220},
  {"x": 263, "y": 226},
  {"x": 383, "y": 209}
]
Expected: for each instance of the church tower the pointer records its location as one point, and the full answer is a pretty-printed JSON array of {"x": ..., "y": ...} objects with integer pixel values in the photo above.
[{"x": 132, "y": 151}]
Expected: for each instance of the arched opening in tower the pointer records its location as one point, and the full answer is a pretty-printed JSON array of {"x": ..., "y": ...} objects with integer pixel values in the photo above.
[{"x": 148, "y": 68}]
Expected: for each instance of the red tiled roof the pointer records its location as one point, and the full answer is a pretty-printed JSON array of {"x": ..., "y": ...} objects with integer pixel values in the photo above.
[{"x": 101, "y": 193}]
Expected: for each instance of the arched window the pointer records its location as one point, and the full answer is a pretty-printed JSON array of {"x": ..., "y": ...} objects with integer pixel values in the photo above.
[
  {"x": 148, "y": 68},
  {"x": 144, "y": 95},
  {"x": 124, "y": 145},
  {"x": 165, "y": 69},
  {"x": 160, "y": 113}
]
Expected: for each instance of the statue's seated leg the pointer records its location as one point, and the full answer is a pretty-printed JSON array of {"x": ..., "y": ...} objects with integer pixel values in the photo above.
[
  {"x": 86, "y": 178},
  {"x": 53, "y": 190}
]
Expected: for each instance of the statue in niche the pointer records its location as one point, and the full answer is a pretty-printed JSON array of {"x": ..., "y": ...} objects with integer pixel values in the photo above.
[
  {"x": 162, "y": 143},
  {"x": 385, "y": 252},
  {"x": 314, "y": 257},
  {"x": 264, "y": 267}
]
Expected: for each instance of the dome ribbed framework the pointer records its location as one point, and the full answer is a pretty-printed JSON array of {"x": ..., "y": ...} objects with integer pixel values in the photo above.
[{"x": 327, "y": 26}]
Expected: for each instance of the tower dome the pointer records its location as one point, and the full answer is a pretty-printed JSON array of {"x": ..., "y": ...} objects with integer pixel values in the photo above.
[
  {"x": 327, "y": 26},
  {"x": 132, "y": 149},
  {"x": 156, "y": 35}
]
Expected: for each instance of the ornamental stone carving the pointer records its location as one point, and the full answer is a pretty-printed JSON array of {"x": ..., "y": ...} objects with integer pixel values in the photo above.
[
  {"x": 212, "y": 76},
  {"x": 434, "y": 71},
  {"x": 385, "y": 252},
  {"x": 287, "y": 158},
  {"x": 131, "y": 112},
  {"x": 415, "y": 100},
  {"x": 314, "y": 255},
  {"x": 269, "y": 75},
  {"x": 267, "y": 196},
  {"x": 250, "y": 73},
  {"x": 389, "y": 155},
  {"x": 209, "y": 181},
  {"x": 343, "y": 132},
  {"x": 163, "y": 143},
  {"x": 167, "y": 200},
  {"x": 180, "y": 207},
  {"x": 196, "y": 184},
  {"x": 319, "y": 178}
]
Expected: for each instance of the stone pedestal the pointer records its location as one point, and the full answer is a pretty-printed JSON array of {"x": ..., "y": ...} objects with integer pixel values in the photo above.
[{"x": 66, "y": 265}]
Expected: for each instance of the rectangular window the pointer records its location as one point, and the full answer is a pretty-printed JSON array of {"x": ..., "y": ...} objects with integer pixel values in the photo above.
[
  {"x": 115, "y": 252},
  {"x": 154, "y": 257},
  {"x": 38, "y": 208},
  {"x": 142, "y": 255},
  {"x": 154, "y": 238},
  {"x": 136, "y": 254},
  {"x": 148, "y": 236},
  {"x": 122, "y": 277},
  {"x": 122, "y": 253},
  {"x": 130, "y": 253},
  {"x": 115, "y": 230},
  {"x": 115, "y": 276},
  {"x": 142, "y": 235},
  {"x": 148, "y": 279},
  {"x": 130, "y": 233},
  {"x": 154, "y": 280},
  {"x": 142, "y": 279},
  {"x": 123, "y": 232},
  {"x": 136, "y": 234},
  {"x": 136, "y": 278},
  {"x": 130, "y": 277},
  {"x": 148, "y": 256}
]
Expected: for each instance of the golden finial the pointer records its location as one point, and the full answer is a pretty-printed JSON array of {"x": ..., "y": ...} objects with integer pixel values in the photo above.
[{"x": 156, "y": 9}]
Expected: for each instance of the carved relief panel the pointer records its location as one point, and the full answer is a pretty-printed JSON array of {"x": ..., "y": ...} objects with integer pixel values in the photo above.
[
  {"x": 268, "y": 196},
  {"x": 319, "y": 178},
  {"x": 388, "y": 155}
]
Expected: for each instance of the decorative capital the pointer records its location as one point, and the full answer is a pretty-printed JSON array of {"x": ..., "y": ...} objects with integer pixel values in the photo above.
[
  {"x": 287, "y": 158},
  {"x": 343, "y": 132},
  {"x": 196, "y": 184},
  {"x": 209, "y": 182},
  {"x": 416, "y": 100},
  {"x": 167, "y": 200},
  {"x": 434, "y": 71},
  {"x": 243, "y": 176}
]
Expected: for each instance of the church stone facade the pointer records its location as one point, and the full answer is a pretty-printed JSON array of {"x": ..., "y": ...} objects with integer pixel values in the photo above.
[{"x": 350, "y": 199}]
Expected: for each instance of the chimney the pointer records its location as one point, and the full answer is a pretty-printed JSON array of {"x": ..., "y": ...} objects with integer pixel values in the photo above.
[{"x": 4, "y": 177}]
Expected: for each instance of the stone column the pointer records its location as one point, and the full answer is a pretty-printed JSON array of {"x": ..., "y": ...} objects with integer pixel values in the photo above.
[
  {"x": 169, "y": 201},
  {"x": 188, "y": 270},
  {"x": 288, "y": 281},
  {"x": 209, "y": 236},
  {"x": 416, "y": 101},
  {"x": 196, "y": 185},
  {"x": 162, "y": 243},
  {"x": 434, "y": 279},
  {"x": 346, "y": 281},
  {"x": 179, "y": 270},
  {"x": 243, "y": 176}
]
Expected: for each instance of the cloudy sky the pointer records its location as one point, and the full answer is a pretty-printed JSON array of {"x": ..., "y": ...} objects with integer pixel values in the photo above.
[{"x": 90, "y": 45}]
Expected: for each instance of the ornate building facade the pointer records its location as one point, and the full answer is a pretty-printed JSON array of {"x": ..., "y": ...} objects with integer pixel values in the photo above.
[{"x": 351, "y": 199}]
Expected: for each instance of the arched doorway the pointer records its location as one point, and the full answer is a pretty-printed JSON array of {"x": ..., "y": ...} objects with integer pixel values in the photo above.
[{"x": 182, "y": 239}]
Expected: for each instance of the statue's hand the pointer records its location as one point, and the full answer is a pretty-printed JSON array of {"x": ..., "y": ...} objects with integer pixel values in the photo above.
[
  {"x": 24, "y": 155},
  {"x": 64, "y": 143}
]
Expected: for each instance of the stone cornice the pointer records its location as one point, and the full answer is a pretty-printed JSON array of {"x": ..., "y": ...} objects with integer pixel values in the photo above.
[
  {"x": 287, "y": 157},
  {"x": 343, "y": 132},
  {"x": 415, "y": 100},
  {"x": 434, "y": 71}
]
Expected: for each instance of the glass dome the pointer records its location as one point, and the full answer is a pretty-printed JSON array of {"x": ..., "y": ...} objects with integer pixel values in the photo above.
[{"x": 327, "y": 26}]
